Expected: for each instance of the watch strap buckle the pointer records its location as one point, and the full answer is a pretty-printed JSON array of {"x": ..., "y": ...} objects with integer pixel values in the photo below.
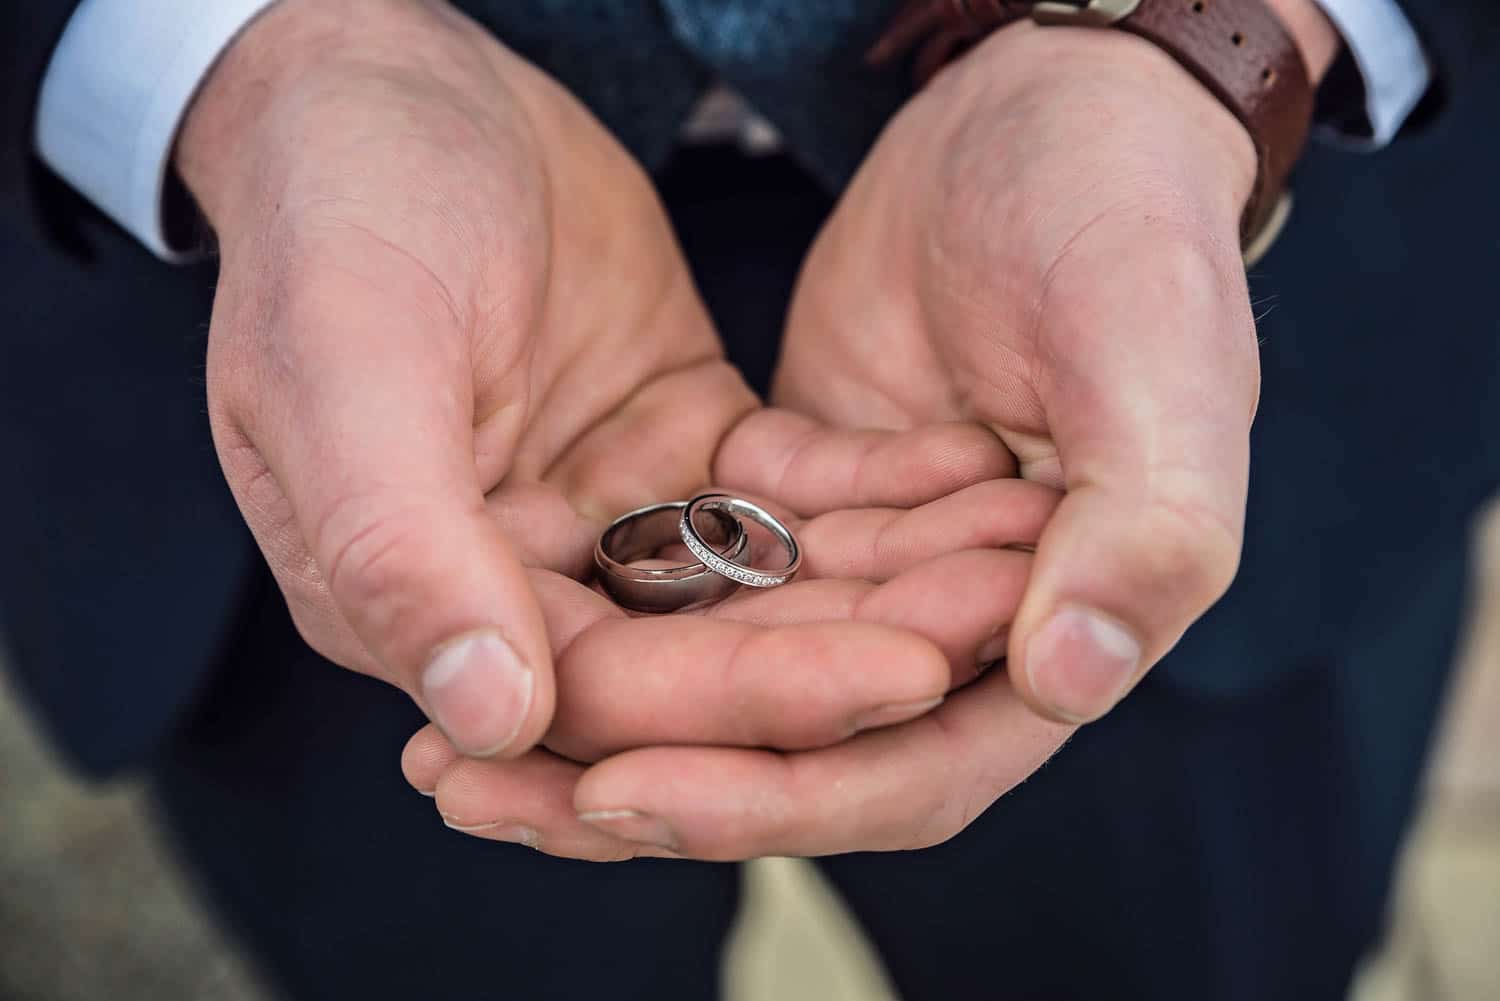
[{"x": 1091, "y": 14}]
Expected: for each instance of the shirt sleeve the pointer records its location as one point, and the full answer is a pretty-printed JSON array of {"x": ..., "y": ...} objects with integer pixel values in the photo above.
[
  {"x": 115, "y": 92},
  {"x": 1392, "y": 66}
]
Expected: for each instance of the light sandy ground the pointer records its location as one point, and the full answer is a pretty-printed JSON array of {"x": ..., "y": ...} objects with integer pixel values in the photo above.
[
  {"x": 91, "y": 908},
  {"x": 1444, "y": 938}
]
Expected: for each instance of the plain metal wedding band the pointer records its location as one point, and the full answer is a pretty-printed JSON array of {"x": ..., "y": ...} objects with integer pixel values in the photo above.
[
  {"x": 739, "y": 508},
  {"x": 640, "y": 533}
]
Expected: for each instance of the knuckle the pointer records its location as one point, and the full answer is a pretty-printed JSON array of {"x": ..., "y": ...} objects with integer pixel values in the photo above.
[
  {"x": 952, "y": 807},
  {"x": 950, "y": 818},
  {"x": 373, "y": 548},
  {"x": 758, "y": 714},
  {"x": 570, "y": 738},
  {"x": 1190, "y": 550},
  {"x": 937, "y": 830}
]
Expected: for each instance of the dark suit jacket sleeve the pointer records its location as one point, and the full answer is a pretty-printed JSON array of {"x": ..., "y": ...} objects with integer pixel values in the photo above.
[
  {"x": 1462, "y": 40},
  {"x": 29, "y": 30}
]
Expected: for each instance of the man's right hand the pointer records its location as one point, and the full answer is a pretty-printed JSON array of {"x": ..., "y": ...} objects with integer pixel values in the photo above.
[
  {"x": 438, "y": 275},
  {"x": 453, "y": 336}
]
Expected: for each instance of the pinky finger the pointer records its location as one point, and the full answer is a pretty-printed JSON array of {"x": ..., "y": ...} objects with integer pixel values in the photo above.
[{"x": 528, "y": 801}]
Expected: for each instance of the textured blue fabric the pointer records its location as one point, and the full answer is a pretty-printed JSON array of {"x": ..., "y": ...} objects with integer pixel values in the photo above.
[
  {"x": 800, "y": 63},
  {"x": 642, "y": 64},
  {"x": 617, "y": 56}
]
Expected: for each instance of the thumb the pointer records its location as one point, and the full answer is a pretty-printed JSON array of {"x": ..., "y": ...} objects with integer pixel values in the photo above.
[
  {"x": 1149, "y": 401},
  {"x": 366, "y": 422}
]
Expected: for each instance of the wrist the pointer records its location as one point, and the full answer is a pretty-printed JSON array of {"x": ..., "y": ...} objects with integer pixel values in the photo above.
[
  {"x": 214, "y": 146},
  {"x": 1260, "y": 88},
  {"x": 228, "y": 135},
  {"x": 1316, "y": 37},
  {"x": 1259, "y": 60},
  {"x": 1158, "y": 123}
]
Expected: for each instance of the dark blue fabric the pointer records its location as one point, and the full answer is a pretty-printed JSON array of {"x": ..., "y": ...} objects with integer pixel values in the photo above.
[
  {"x": 1374, "y": 442},
  {"x": 122, "y": 556},
  {"x": 28, "y": 33},
  {"x": 617, "y": 56},
  {"x": 802, "y": 65},
  {"x": 642, "y": 64}
]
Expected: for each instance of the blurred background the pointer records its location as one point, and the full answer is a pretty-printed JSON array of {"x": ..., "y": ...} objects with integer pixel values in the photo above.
[{"x": 92, "y": 906}]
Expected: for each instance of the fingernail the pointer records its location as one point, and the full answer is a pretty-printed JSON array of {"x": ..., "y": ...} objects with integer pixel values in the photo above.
[
  {"x": 1081, "y": 663},
  {"x": 632, "y": 825},
  {"x": 479, "y": 692},
  {"x": 994, "y": 648},
  {"x": 890, "y": 715},
  {"x": 498, "y": 830}
]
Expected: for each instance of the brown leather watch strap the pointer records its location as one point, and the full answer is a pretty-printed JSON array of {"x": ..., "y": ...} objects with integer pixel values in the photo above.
[{"x": 1238, "y": 49}]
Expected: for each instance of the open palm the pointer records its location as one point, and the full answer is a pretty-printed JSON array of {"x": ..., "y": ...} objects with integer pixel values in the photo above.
[{"x": 454, "y": 336}]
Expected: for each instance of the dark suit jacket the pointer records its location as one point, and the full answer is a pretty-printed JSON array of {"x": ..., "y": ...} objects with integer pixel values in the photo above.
[{"x": 123, "y": 561}]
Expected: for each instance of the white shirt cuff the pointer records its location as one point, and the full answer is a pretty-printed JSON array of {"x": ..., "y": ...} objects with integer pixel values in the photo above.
[
  {"x": 115, "y": 93},
  {"x": 1391, "y": 62}
]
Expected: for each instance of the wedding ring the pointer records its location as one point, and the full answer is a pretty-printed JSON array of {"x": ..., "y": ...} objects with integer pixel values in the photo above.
[
  {"x": 739, "y": 508},
  {"x": 640, "y": 533}
]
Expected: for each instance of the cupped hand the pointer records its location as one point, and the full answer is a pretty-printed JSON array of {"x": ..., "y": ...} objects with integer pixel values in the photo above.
[
  {"x": 438, "y": 274},
  {"x": 1046, "y": 241},
  {"x": 453, "y": 336},
  {"x": 440, "y": 280}
]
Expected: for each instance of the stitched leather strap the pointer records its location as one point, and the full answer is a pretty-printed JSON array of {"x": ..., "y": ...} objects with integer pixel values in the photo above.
[{"x": 1238, "y": 49}]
